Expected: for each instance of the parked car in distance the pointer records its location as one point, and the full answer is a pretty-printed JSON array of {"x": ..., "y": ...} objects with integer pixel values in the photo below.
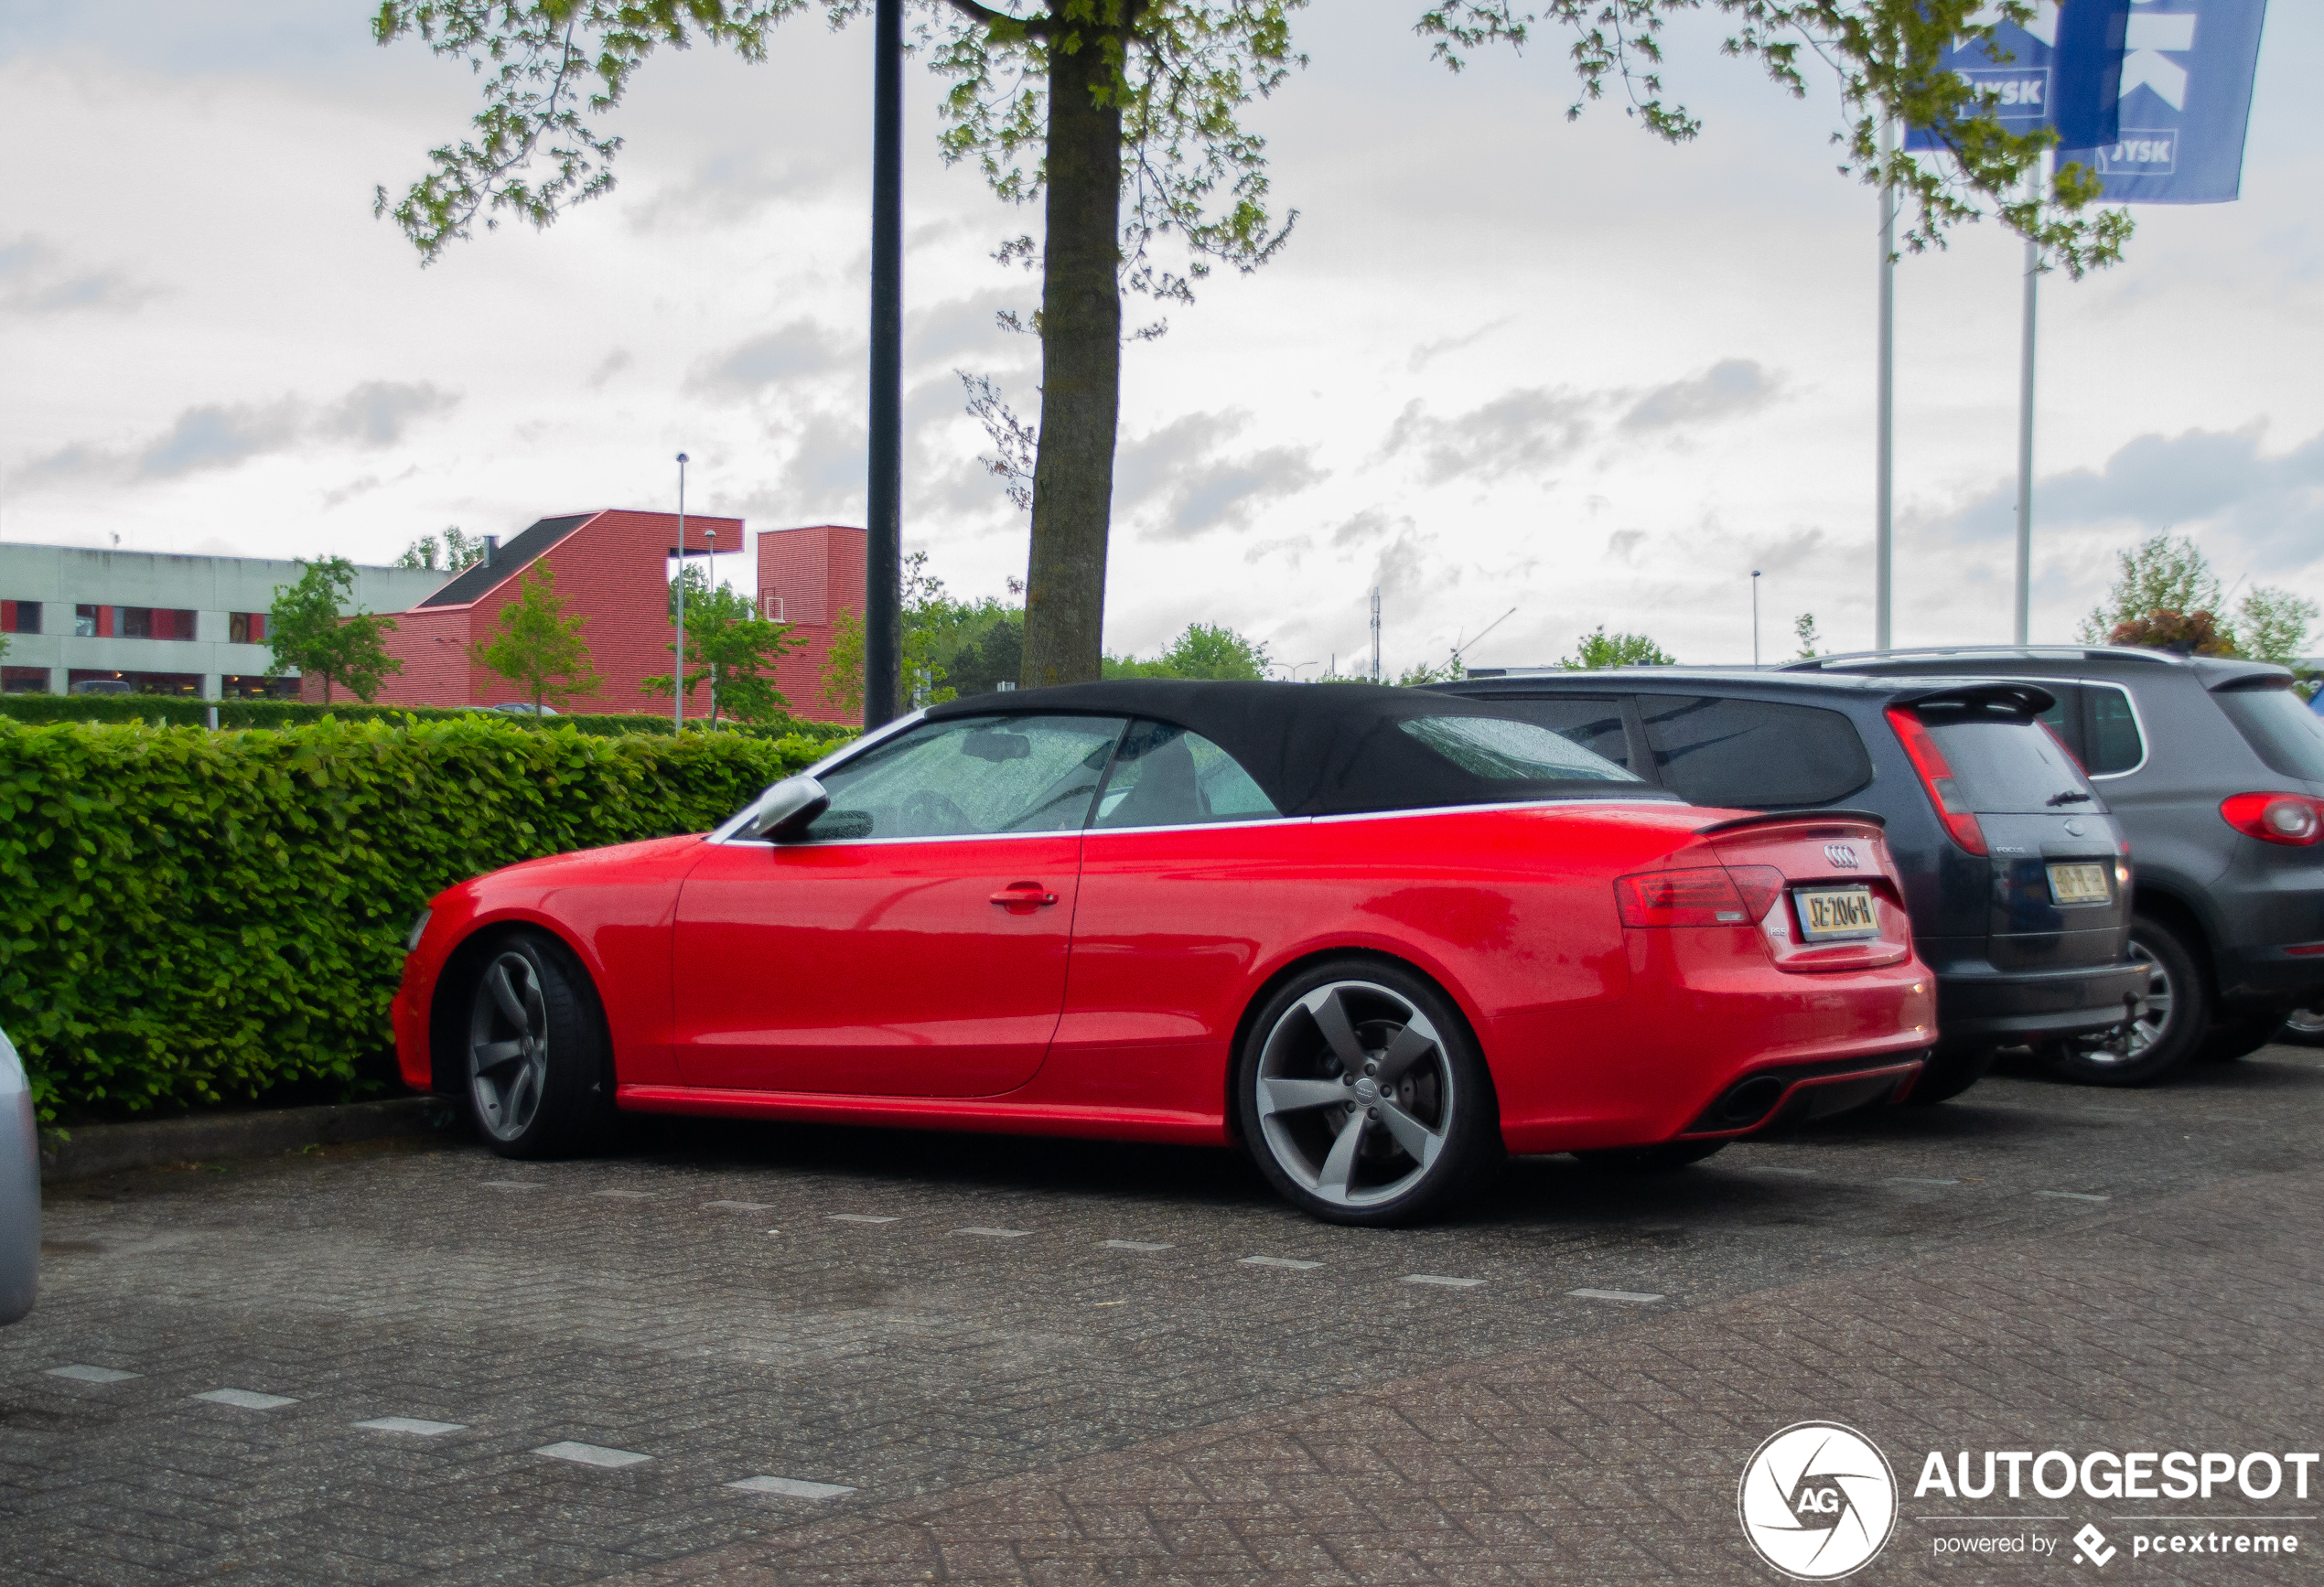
[
  {"x": 101, "y": 686},
  {"x": 2012, "y": 869},
  {"x": 2215, "y": 769},
  {"x": 19, "y": 1188},
  {"x": 1379, "y": 936},
  {"x": 522, "y": 708}
]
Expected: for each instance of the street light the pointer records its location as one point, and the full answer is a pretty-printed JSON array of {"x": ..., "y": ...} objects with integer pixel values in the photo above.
[
  {"x": 1755, "y": 617},
  {"x": 884, "y": 522}
]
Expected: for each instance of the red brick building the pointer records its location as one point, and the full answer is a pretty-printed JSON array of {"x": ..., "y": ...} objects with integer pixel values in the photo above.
[
  {"x": 612, "y": 569},
  {"x": 809, "y": 577}
]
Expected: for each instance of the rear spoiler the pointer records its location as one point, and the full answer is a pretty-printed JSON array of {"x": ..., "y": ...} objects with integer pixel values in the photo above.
[
  {"x": 1794, "y": 818},
  {"x": 2031, "y": 698}
]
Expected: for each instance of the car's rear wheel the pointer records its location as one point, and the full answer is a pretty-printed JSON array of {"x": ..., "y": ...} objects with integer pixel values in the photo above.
[
  {"x": 2303, "y": 1027},
  {"x": 1660, "y": 1159},
  {"x": 1949, "y": 1071},
  {"x": 539, "y": 1079},
  {"x": 1363, "y": 1098},
  {"x": 2169, "y": 1026}
]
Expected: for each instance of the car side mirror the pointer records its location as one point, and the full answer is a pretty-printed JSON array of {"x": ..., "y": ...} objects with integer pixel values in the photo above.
[{"x": 784, "y": 812}]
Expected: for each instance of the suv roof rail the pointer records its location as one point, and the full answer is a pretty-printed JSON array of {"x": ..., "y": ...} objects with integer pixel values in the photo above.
[{"x": 2020, "y": 652}]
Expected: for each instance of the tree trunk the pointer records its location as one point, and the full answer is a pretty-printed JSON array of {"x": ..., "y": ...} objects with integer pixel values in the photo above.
[{"x": 1081, "y": 374}]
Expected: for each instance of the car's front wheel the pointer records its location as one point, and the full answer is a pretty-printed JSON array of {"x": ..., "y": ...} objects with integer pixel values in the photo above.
[
  {"x": 2169, "y": 1026},
  {"x": 2303, "y": 1027},
  {"x": 540, "y": 1080},
  {"x": 1364, "y": 1097}
]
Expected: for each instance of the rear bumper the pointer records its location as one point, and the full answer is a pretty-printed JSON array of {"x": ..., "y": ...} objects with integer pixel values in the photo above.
[
  {"x": 2016, "y": 1006},
  {"x": 2279, "y": 976},
  {"x": 1792, "y": 1095}
]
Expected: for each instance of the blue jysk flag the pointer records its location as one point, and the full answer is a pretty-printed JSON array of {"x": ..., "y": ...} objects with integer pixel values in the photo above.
[
  {"x": 2058, "y": 69},
  {"x": 2186, "y": 98}
]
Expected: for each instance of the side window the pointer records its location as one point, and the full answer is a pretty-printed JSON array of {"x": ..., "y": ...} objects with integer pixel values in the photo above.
[
  {"x": 2115, "y": 744},
  {"x": 2064, "y": 719},
  {"x": 1166, "y": 776},
  {"x": 1753, "y": 754},
  {"x": 1592, "y": 721},
  {"x": 972, "y": 775}
]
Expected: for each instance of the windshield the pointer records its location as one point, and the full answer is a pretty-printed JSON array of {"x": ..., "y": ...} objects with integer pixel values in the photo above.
[
  {"x": 2006, "y": 764},
  {"x": 2280, "y": 728}
]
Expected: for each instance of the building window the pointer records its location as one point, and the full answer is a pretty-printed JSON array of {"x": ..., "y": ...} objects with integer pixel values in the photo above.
[
  {"x": 19, "y": 617},
  {"x": 24, "y": 679},
  {"x": 246, "y": 628},
  {"x": 91, "y": 622},
  {"x": 151, "y": 623},
  {"x": 85, "y": 680},
  {"x": 231, "y": 687}
]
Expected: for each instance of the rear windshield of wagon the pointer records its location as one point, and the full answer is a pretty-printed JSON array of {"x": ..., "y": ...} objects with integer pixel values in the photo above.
[{"x": 2006, "y": 764}]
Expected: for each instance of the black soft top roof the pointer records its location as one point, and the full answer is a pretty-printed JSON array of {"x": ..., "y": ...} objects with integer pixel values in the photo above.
[{"x": 1316, "y": 749}]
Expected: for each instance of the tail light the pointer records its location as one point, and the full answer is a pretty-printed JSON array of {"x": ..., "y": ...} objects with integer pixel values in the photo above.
[
  {"x": 2294, "y": 821},
  {"x": 1706, "y": 896},
  {"x": 1936, "y": 776},
  {"x": 1759, "y": 885}
]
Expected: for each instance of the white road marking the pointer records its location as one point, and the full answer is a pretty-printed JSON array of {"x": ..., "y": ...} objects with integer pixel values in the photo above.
[
  {"x": 246, "y": 1400},
  {"x": 1775, "y": 1168},
  {"x": 93, "y": 1374},
  {"x": 1136, "y": 1245},
  {"x": 1612, "y": 1295},
  {"x": 1277, "y": 1263},
  {"x": 2071, "y": 1195},
  {"x": 1903, "y": 1180},
  {"x": 739, "y": 1206},
  {"x": 856, "y": 1217},
  {"x": 624, "y": 1195},
  {"x": 790, "y": 1487},
  {"x": 1440, "y": 1279},
  {"x": 997, "y": 1233},
  {"x": 515, "y": 1184},
  {"x": 593, "y": 1454},
  {"x": 413, "y": 1425}
]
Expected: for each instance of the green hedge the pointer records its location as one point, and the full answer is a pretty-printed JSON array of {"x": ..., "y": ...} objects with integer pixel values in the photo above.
[
  {"x": 184, "y": 711},
  {"x": 189, "y": 916}
]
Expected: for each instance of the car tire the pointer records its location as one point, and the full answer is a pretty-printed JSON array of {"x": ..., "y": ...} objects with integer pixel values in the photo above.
[
  {"x": 535, "y": 1063},
  {"x": 1949, "y": 1071},
  {"x": 1666, "y": 1158},
  {"x": 2168, "y": 1031},
  {"x": 2239, "y": 1038},
  {"x": 1362, "y": 1095},
  {"x": 2303, "y": 1027}
]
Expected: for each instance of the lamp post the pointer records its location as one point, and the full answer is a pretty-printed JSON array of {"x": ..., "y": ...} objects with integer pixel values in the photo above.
[
  {"x": 678, "y": 676},
  {"x": 1755, "y": 617},
  {"x": 711, "y": 585},
  {"x": 884, "y": 538}
]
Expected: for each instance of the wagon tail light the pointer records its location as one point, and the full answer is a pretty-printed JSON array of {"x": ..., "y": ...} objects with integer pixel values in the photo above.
[
  {"x": 1699, "y": 896},
  {"x": 1936, "y": 776},
  {"x": 2294, "y": 821}
]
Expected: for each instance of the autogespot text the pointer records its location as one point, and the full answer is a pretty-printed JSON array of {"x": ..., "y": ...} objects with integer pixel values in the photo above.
[{"x": 2104, "y": 1475}]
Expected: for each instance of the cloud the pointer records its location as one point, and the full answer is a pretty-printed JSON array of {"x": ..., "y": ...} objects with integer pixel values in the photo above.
[
  {"x": 826, "y": 472},
  {"x": 1183, "y": 466},
  {"x": 729, "y": 190},
  {"x": 1519, "y": 432},
  {"x": 800, "y": 348},
  {"x": 35, "y": 279},
  {"x": 1368, "y": 524},
  {"x": 1729, "y": 387},
  {"x": 2215, "y": 481},
  {"x": 942, "y": 331},
  {"x": 376, "y": 412},
  {"x": 612, "y": 364},
  {"x": 217, "y": 435},
  {"x": 1428, "y": 352},
  {"x": 1623, "y": 543}
]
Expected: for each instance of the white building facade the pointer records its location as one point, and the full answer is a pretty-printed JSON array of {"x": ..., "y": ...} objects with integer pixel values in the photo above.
[{"x": 80, "y": 621}]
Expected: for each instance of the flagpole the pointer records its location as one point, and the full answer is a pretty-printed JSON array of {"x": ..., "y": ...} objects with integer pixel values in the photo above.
[
  {"x": 2026, "y": 418},
  {"x": 1884, "y": 512}
]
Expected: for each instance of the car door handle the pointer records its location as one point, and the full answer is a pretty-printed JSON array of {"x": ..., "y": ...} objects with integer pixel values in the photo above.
[{"x": 1024, "y": 897}]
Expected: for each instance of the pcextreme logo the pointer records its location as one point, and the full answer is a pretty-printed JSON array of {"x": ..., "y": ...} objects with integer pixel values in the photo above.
[{"x": 1817, "y": 1500}]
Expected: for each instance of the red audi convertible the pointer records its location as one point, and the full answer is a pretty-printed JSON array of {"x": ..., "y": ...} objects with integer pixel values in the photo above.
[{"x": 1380, "y": 937}]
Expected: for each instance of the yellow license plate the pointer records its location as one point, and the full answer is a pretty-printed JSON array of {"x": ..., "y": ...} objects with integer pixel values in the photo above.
[
  {"x": 1829, "y": 912},
  {"x": 2079, "y": 883}
]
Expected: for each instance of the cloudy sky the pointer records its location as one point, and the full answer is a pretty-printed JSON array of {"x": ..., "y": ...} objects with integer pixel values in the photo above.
[{"x": 1505, "y": 360}]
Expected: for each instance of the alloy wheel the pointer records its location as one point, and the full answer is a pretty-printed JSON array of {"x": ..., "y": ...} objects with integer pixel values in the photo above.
[
  {"x": 2306, "y": 1021},
  {"x": 508, "y": 1045},
  {"x": 1355, "y": 1093}
]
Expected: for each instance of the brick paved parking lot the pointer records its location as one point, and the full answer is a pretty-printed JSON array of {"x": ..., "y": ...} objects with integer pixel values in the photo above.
[{"x": 777, "y": 1355}]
